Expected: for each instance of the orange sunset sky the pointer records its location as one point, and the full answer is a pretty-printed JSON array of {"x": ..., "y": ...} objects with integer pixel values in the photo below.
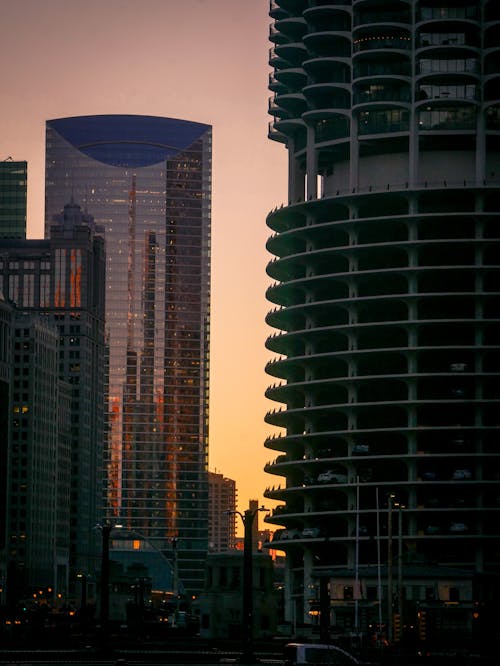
[{"x": 199, "y": 60}]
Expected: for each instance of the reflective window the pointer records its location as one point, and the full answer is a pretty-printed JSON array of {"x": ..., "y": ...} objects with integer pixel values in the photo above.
[
  {"x": 154, "y": 207},
  {"x": 429, "y": 13},
  {"x": 448, "y": 119},
  {"x": 434, "y": 65},
  {"x": 375, "y": 122},
  {"x": 442, "y": 39},
  {"x": 438, "y": 91}
]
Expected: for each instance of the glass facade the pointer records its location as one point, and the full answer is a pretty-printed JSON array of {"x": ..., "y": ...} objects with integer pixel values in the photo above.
[
  {"x": 147, "y": 181},
  {"x": 13, "y": 188}
]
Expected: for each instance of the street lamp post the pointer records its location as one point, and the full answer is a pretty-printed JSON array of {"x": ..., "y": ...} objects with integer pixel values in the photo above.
[
  {"x": 248, "y": 517},
  {"x": 105, "y": 533},
  {"x": 83, "y": 592},
  {"x": 389, "y": 567},
  {"x": 104, "y": 596},
  {"x": 400, "y": 565}
]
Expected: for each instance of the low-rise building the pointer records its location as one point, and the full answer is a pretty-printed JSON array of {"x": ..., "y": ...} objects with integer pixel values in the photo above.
[{"x": 221, "y": 601}]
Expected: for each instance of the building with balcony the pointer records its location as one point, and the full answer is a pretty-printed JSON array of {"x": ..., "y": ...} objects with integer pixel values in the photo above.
[
  {"x": 386, "y": 298},
  {"x": 147, "y": 181}
]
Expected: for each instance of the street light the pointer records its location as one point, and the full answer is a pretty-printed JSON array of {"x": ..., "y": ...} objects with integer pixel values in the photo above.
[
  {"x": 400, "y": 508},
  {"x": 104, "y": 596},
  {"x": 247, "y": 517},
  {"x": 83, "y": 599},
  {"x": 390, "y": 508}
]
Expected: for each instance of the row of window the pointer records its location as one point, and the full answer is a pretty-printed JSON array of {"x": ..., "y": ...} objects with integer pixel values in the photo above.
[
  {"x": 424, "y": 14},
  {"x": 396, "y": 120},
  {"x": 377, "y": 92},
  {"x": 403, "y": 41}
]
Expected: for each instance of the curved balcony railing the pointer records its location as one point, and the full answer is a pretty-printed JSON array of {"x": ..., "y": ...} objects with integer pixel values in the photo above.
[
  {"x": 382, "y": 93},
  {"x": 393, "y": 67},
  {"x": 369, "y": 43},
  {"x": 382, "y": 16}
]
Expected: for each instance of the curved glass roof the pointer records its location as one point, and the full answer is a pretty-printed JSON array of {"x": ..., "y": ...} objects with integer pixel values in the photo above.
[{"x": 128, "y": 140}]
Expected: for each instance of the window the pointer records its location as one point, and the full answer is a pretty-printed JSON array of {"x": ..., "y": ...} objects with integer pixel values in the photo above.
[
  {"x": 453, "y": 118},
  {"x": 348, "y": 592},
  {"x": 376, "y": 122}
]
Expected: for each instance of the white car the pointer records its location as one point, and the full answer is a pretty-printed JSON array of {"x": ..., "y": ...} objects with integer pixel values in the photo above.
[
  {"x": 332, "y": 477},
  {"x": 360, "y": 449},
  {"x": 458, "y": 527},
  {"x": 462, "y": 474}
]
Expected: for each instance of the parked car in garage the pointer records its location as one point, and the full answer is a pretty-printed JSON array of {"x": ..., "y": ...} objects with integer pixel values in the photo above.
[{"x": 332, "y": 477}]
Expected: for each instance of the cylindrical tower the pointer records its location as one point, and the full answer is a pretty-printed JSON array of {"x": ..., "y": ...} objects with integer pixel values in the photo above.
[{"x": 387, "y": 292}]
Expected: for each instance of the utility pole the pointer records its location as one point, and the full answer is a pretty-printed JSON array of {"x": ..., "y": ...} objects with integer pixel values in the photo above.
[
  {"x": 248, "y": 517},
  {"x": 389, "y": 567}
]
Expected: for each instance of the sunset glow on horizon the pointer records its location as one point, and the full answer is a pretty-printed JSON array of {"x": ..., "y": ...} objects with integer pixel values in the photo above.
[{"x": 198, "y": 60}]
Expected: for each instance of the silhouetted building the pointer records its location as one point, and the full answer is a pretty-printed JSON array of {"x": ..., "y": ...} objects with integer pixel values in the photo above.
[
  {"x": 147, "y": 181},
  {"x": 61, "y": 281},
  {"x": 13, "y": 197},
  {"x": 221, "y": 512},
  {"x": 386, "y": 262},
  {"x": 38, "y": 462},
  {"x": 221, "y": 601},
  {"x": 5, "y": 384}
]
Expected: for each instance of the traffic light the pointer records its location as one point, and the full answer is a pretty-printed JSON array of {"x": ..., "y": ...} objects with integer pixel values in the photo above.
[
  {"x": 422, "y": 625},
  {"x": 396, "y": 625}
]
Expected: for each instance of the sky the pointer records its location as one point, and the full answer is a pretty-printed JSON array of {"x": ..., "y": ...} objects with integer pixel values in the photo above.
[{"x": 199, "y": 60}]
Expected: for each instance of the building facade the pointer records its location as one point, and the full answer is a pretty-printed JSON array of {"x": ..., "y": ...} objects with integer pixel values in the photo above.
[
  {"x": 13, "y": 198},
  {"x": 221, "y": 611},
  {"x": 5, "y": 385},
  {"x": 61, "y": 281},
  {"x": 387, "y": 292},
  {"x": 147, "y": 181},
  {"x": 38, "y": 462},
  {"x": 222, "y": 496}
]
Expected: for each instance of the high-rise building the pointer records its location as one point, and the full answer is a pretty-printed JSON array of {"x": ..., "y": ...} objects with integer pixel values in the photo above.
[
  {"x": 13, "y": 197},
  {"x": 147, "y": 181},
  {"x": 5, "y": 385},
  {"x": 386, "y": 262},
  {"x": 37, "y": 549},
  {"x": 61, "y": 281},
  {"x": 221, "y": 512}
]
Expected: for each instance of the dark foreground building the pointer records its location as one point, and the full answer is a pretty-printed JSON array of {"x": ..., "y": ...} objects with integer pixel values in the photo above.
[
  {"x": 55, "y": 429},
  {"x": 387, "y": 294},
  {"x": 147, "y": 181}
]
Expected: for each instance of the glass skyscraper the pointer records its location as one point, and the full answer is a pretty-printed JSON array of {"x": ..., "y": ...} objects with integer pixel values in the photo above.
[
  {"x": 13, "y": 193},
  {"x": 147, "y": 181}
]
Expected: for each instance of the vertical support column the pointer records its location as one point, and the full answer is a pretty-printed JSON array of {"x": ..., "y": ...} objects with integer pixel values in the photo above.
[
  {"x": 296, "y": 185},
  {"x": 480, "y": 147},
  {"x": 308, "y": 584},
  {"x": 324, "y": 605},
  {"x": 311, "y": 165},
  {"x": 390, "y": 507},
  {"x": 354, "y": 155},
  {"x": 413, "y": 147}
]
